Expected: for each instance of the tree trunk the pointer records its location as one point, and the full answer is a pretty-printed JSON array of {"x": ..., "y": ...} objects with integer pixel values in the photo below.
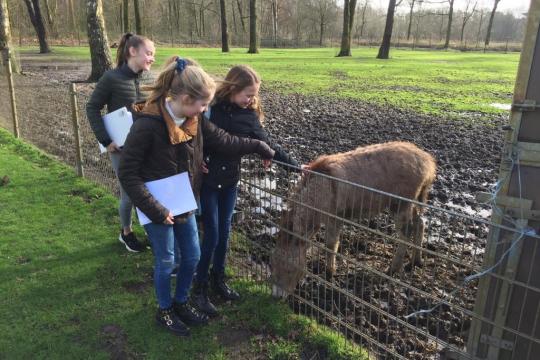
[
  {"x": 34, "y": 11},
  {"x": 363, "y": 18},
  {"x": 384, "y": 50},
  {"x": 138, "y": 20},
  {"x": 241, "y": 15},
  {"x": 51, "y": 14},
  {"x": 479, "y": 27},
  {"x": 74, "y": 24},
  {"x": 275, "y": 22},
  {"x": 410, "y": 20},
  {"x": 348, "y": 21},
  {"x": 253, "y": 27},
  {"x": 449, "y": 25},
  {"x": 224, "y": 31},
  {"x": 97, "y": 40},
  {"x": 125, "y": 14},
  {"x": 5, "y": 36},
  {"x": 321, "y": 32},
  {"x": 490, "y": 23}
]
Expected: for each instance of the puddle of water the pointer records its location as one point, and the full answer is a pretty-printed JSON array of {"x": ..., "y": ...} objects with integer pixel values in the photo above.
[{"x": 501, "y": 106}]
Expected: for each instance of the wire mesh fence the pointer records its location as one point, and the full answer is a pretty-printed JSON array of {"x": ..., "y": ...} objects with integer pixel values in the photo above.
[{"x": 418, "y": 312}]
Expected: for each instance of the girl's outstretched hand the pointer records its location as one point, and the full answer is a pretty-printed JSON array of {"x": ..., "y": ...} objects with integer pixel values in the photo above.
[
  {"x": 169, "y": 220},
  {"x": 267, "y": 163}
]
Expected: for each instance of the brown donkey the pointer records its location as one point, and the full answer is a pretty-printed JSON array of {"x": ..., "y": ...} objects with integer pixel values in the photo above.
[{"x": 399, "y": 168}]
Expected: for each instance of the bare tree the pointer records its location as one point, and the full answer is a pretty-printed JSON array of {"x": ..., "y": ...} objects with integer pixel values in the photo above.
[
  {"x": 480, "y": 23},
  {"x": 74, "y": 24},
  {"x": 97, "y": 40},
  {"x": 51, "y": 15},
  {"x": 5, "y": 34},
  {"x": 449, "y": 25},
  {"x": 241, "y": 14},
  {"x": 138, "y": 19},
  {"x": 323, "y": 8},
  {"x": 224, "y": 31},
  {"x": 125, "y": 15},
  {"x": 363, "y": 17},
  {"x": 466, "y": 17},
  {"x": 411, "y": 9},
  {"x": 384, "y": 49},
  {"x": 275, "y": 23},
  {"x": 34, "y": 11},
  {"x": 490, "y": 23},
  {"x": 253, "y": 27},
  {"x": 348, "y": 23}
]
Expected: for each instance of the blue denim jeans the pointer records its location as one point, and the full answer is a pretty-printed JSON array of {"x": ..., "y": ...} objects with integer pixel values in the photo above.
[
  {"x": 217, "y": 207},
  {"x": 174, "y": 245}
]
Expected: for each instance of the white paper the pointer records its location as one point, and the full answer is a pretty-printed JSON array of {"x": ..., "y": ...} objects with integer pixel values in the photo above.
[
  {"x": 117, "y": 124},
  {"x": 174, "y": 193}
]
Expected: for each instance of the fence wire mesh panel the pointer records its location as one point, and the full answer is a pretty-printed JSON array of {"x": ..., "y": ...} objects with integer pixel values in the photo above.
[
  {"x": 43, "y": 112},
  {"x": 97, "y": 166},
  {"x": 417, "y": 310}
]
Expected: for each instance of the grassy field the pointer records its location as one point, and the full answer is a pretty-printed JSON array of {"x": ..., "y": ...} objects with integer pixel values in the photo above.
[
  {"x": 70, "y": 291},
  {"x": 444, "y": 83}
]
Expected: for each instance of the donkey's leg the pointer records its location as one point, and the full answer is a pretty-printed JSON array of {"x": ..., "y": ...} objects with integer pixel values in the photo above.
[
  {"x": 403, "y": 229},
  {"x": 418, "y": 236},
  {"x": 333, "y": 229}
]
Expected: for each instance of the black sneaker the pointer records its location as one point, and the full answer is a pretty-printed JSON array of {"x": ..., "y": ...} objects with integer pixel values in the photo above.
[
  {"x": 189, "y": 314},
  {"x": 201, "y": 301},
  {"x": 220, "y": 287},
  {"x": 130, "y": 242},
  {"x": 169, "y": 320}
]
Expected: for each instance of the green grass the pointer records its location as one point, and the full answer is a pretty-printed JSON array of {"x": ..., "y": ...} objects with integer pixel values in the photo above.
[
  {"x": 70, "y": 291},
  {"x": 445, "y": 83}
]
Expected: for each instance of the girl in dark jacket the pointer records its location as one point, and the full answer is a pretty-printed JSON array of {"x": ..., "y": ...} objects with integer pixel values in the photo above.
[
  {"x": 237, "y": 110},
  {"x": 167, "y": 139},
  {"x": 118, "y": 88}
]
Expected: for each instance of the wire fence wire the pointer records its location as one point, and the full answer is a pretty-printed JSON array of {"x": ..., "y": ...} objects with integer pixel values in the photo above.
[{"x": 422, "y": 312}]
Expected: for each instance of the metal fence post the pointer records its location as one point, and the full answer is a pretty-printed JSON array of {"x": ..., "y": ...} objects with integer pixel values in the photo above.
[
  {"x": 7, "y": 61},
  {"x": 76, "y": 132}
]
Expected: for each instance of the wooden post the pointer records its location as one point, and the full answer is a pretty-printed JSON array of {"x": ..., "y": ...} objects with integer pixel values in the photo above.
[
  {"x": 76, "y": 132},
  {"x": 7, "y": 61},
  {"x": 509, "y": 300}
]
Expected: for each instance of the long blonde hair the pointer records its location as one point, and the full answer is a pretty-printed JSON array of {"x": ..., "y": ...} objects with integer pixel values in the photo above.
[
  {"x": 236, "y": 80},
  {"x": 181, "y": 76}
]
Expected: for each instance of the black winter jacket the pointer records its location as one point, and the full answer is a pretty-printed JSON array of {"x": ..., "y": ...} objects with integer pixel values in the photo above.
[
  {"x": 224, "y": 169},
  {"x": 148, "y": 154},
  {"x": 117, "y": 88}
]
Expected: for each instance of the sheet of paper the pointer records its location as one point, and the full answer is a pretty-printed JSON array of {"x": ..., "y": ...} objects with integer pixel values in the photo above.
[
  {"x": 174, "y": 193},
  {"x": 117, "y": 124}
]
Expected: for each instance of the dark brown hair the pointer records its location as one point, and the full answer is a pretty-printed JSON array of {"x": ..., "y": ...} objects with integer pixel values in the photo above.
[{"x": 128, "y": 41}]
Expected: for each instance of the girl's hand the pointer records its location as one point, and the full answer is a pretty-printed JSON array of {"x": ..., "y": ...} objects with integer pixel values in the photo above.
[
  {"x": 204, "y": 168},
  {"x": 112, "y": 147},
  {"x": 169, "y": 220},
  {"x": 305, "y": 167},
  {"x": 267, "y": 163}
]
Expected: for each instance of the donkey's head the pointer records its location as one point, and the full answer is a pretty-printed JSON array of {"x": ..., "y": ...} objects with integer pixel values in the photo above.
[{"x": 288, "y": 260}]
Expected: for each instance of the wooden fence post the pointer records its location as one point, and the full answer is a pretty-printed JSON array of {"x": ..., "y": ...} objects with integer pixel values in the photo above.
[
  {"x": 76, "y": 132},
  {"x": 7, "y": 61}
]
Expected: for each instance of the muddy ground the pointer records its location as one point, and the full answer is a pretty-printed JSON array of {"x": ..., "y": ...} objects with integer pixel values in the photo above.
[{"x": 467, "y": 151}]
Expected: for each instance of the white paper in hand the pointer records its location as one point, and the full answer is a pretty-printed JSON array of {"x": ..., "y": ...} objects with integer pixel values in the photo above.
[
  {"x": 117, "y": 124},
  {"x": 174, "y": 193}
]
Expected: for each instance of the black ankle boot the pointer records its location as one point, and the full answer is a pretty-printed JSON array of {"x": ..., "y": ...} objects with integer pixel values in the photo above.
[
  {"x": 189, "y": 314},
  {"x": 219, "y": 286},
  {"x": 201, "y": 301},
  {"x": 169, "y": 320}
]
